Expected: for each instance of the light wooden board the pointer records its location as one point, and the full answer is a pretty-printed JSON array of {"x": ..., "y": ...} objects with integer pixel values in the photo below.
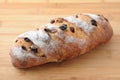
[
  {"x": 59, "y": 1},
  {"x": 102, "y": 63}
]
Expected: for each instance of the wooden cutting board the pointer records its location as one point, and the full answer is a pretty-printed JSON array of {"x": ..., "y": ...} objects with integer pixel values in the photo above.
[{"x": 102, "y": 63}]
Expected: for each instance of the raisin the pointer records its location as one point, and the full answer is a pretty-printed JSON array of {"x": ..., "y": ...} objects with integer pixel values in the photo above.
[
  {"x": 43, "y": 55},
  {"x": 98, "y": 14},
  {"x": 52, "y": 21},
  {"x": 76, "y": 16},
  {"x": 63, "y": 27},
  {"x": 47, "y": 30},
  {"x": 24, "y": 48},
  {"x": 16, "y": 41},
  {"x": 35, "y": 50},
  {"x": 93, "y": 22},
  {"x": 72, "y": 29},
  {"x": 27, "y": 39}
]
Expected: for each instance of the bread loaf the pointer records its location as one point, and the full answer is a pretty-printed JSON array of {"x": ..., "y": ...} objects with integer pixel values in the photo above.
[{"x": 60, "y": 39}]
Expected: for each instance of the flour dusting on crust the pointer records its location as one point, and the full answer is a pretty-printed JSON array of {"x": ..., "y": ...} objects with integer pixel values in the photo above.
[
  {"x": 39, "y": 38},
  {"x": 21, "y": 54},
  {"x": 80, "y": 23},
  {"x": 93, "y": 16}
]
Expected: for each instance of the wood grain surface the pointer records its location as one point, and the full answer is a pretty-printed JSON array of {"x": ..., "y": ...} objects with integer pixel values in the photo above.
[{"x": 102, "y": 63}]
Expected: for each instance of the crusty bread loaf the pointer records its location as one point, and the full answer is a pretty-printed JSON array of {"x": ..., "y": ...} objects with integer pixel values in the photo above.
[{"x": 61, "y": 39}]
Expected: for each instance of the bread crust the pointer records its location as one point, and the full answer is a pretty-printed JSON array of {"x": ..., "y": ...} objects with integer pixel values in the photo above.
[{"x": 61, "y": 39}]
